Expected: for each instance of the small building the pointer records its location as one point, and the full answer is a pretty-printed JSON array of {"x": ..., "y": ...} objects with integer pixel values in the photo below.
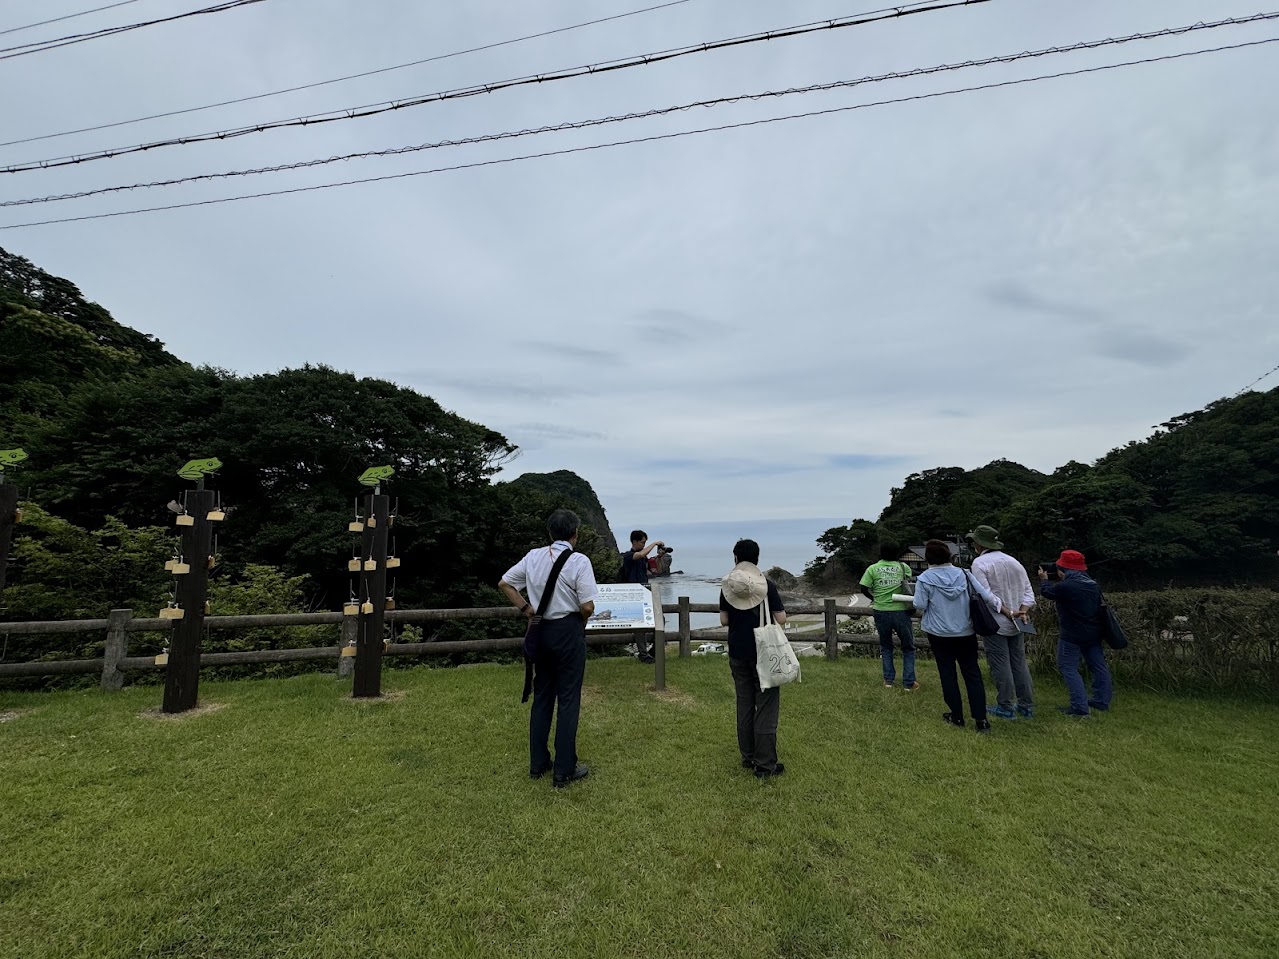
[{"x": 959, "y": 553}]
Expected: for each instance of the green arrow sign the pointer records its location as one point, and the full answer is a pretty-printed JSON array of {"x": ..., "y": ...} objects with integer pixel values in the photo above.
[
  {"x": 10, "y": 457},
  {"x": 375, "y": 474},
  {"x": 196, "y": 469}
]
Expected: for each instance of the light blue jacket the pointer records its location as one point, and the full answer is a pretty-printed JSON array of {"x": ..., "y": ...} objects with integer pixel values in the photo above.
[{"x": 941, "y": 592}]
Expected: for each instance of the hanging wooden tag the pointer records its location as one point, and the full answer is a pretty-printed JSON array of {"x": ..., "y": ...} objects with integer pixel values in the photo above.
[
  {"x": 372, "y": 521},
  {"x": 207, "y": 608},
  {"x": 180, "y": 569},
  {"x": 17, "y": 515},
  {"x": 351, "y": 609},
  {"x": 353, "y": 565},
  {"x": 392, "y": 562},
  {"x": 172, "y": 612},
  {"x": 217, "y": 515},
  {"x": 370, "y": 565},
  {"x": 185, "y": 519},
  {"x": 213, "y": 561},
  {"x": 162, "y": 659},
  {"x": 355, "y": 527},
  {"x": 168, "y": 566},
  {"x": 367, "y": 608},
  {"x": 348, "y": 651},
  {"x": 390, "y": 603},
  {"x": 390, "y": 520}
]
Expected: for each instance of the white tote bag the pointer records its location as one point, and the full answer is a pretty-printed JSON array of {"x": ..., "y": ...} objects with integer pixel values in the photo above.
[{"x": 775, "y": 660}]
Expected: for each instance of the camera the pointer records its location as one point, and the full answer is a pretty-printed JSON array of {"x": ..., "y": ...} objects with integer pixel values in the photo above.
[
  {"x": 1051, "y": 570},
  {"x": 666, "y": 549}
]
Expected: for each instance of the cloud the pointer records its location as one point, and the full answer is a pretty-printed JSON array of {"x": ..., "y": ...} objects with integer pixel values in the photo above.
[
  {"x": 555, "y": 432},
  {"x": 673, "y": 324},
  {"x": 864, "y": 461},
  {"x": 568, "y": 350},
  {"x": 1014, "y": 296}
]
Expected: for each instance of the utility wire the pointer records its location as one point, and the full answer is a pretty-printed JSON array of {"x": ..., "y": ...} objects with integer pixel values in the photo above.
[
  {"x": 644, "y": 114},
  {"x": 648, "y": 139},
  {"x": 41, "y": 46},
  {"x": 352, "y": 113},
  {"x": 354, "y": 76},
  {"x": 1256, "y": 381},
  {"x": 69, "y": 16}
]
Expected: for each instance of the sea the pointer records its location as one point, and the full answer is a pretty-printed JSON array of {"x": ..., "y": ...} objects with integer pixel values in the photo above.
[{"x": 703, "y": 553}]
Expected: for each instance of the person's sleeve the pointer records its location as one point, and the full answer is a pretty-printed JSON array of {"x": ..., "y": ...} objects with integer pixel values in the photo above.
[
  {"x": 723, "y": 603},
  {"x": 921, "y": 595},
  {"x": 587, "y": 590},
  {"x": 1027, "y": 591},
  {"x": 517, "y": 575},
  {"x": 775, "y": 599},
  {"x": 868, "y": 578},
  {"x": 980, "y": 574},
  {"x": 991, "y": 599},
  {"x": 1050, "y": 589}
]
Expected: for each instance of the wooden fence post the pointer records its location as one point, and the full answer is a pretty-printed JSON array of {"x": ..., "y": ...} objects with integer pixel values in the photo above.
[
  {"x": 348, "y": 638},
  {"x": 116, "y": 649},
  {"x": 8, "y": 515},
  {"x": 659, "y": 640},
  {"x": 685, "y": 628},
  {"x": 832, "y": 648},
  {"x": 182, "y": 675},
  {"x": 368, "y": 651}
]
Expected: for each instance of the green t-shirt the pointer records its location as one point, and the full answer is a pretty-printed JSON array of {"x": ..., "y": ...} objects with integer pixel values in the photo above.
[{"x": 883, "y": 579}]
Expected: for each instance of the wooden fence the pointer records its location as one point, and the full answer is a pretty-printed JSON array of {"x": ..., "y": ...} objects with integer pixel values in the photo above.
[{"x": 121, "y": 623}]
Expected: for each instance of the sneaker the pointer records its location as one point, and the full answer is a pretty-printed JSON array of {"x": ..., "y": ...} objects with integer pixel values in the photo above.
[
  {"x": 1026, "y": 712},
  {"x": 770, "y": 773},
  {"x": 1003, "y": 712},
  {"x": 911, "y": 688},
  {"x": 748, "y": 764},
  {"x": 952, "y": 719},
  {"x": 1099, "y": 706},
  {"x": 581, "y": 772},
  {"x": 647, "y": 659},
  {"x": 1072, "y": 712},
  {"x": 887, "y": 684},
  {"x": 983, "y": 725}
]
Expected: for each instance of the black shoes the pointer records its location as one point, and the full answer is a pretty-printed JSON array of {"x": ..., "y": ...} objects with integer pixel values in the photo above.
[
  {"x": 952, "y": 719},
  {"x": 538, "y": 773},
  {"x": 581, "y": 772},
  {"x": 777, "y": 770},
  {"x": 748, "y": 764},
  {"x": 983, "y": 725},
  {"x": 647, "y": 658}
]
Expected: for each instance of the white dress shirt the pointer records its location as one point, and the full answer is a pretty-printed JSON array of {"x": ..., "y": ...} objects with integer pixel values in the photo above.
[
  {"x": 575, "y": 586},
  {"x": 1007, "y": 579}
]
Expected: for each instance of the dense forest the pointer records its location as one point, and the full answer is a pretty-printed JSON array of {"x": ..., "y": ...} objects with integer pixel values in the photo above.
[
  {"x": 107, "y": 416},
  {"x": 1197, "y": 503}
]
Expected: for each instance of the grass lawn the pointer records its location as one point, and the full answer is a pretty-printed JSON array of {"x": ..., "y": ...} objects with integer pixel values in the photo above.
[{"x": 295, "y": 822}]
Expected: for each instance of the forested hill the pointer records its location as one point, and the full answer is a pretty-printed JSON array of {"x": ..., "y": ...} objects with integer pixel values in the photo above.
[
  {"x": 107, "y": 416},
  {"x": 1195, "y": 503},
  {"x": 568, "y": 484}
]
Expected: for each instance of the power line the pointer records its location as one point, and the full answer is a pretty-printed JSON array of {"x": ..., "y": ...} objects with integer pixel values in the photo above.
[
  {"x": 353, "y": 76},
  {"x": 1256, "y": 381},
  {"x": 644, "y": 114},
  {"x": 649, "y": 139},
  {"x": 41, "y": 46},
  {"x": 351, "y": 113},
  {"x": 69, "y": 16}
]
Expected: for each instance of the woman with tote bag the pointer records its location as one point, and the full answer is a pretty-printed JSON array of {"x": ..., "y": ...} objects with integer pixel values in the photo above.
[{"x": 743, "y": 593}]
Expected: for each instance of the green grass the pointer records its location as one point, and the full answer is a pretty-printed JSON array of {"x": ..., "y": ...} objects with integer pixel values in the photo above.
[{"x": 295, "y": 822}]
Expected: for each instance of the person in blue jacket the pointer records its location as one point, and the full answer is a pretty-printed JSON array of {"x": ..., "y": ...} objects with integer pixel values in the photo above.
[
  {"x": 1078, "y": 599},
  {"x": 941, "y": 594}
]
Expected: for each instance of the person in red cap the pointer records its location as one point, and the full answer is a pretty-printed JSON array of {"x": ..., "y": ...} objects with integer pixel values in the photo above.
[{"x": 1078, "y": 599}]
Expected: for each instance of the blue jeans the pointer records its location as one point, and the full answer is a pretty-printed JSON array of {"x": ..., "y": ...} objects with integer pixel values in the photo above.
[
  {"x": 1068, "y": 658},
  {"x": 887, "y": 623}
]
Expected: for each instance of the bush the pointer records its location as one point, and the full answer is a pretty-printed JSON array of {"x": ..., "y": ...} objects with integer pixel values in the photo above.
[{"x": 1185, "y": 639}]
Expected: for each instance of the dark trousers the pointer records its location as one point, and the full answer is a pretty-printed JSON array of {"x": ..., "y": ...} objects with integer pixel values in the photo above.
[
  {"x": 757, "y": 711},
  {"x": 557, "y": 678},
  {"x": 961, "y": 651}
]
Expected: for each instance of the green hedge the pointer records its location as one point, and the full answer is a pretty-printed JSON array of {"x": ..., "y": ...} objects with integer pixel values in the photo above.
[{"x": 1185, "y": 639}]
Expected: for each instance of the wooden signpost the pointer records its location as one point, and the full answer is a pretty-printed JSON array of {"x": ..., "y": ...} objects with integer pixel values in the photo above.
[
  {"x": 374, "y": 537},
  {"x": 9, "y": 512},
  {"x": 200, "y": 510}
]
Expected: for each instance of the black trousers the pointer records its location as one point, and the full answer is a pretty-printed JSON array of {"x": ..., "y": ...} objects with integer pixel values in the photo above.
[
  {"x": 961, "y": 651},
  {"x": 557, "y": 680},
  {"x": 757, "y": 711}
]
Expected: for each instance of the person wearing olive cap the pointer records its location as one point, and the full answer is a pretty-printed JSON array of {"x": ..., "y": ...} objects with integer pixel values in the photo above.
[
  {"x": 1006, "y": 650},
  {"x": 742, "y": 592},
  {"x": 1078, "y": 599}
]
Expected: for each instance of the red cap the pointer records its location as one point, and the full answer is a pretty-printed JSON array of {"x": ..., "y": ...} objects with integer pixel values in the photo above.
[{"x": 1071, "y": 559}]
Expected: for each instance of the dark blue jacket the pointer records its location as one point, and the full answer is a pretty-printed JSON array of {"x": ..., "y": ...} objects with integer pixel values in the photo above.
[{"x": 1078, "y": 599}]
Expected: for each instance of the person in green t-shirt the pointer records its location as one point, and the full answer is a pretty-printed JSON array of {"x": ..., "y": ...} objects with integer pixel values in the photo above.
[{"x": 880, "y": 581}]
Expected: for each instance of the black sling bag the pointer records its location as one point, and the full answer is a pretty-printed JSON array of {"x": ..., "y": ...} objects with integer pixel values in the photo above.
[{"x": 533, "y": 635}]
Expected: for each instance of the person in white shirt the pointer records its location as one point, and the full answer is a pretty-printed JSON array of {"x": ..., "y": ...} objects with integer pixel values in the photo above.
[
  {"x": 560, "y": 665},
  {"x": 1006, "y": 652}
]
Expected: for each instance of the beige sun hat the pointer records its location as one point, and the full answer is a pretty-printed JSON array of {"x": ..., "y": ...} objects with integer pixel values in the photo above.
[{"x": 745, "y": 587}]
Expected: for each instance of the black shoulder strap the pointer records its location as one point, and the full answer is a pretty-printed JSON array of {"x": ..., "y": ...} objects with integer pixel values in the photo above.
[{"x": 551, "y": 581}]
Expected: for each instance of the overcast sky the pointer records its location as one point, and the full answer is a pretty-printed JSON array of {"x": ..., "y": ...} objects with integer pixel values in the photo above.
[{"x": 780, "y": 321}]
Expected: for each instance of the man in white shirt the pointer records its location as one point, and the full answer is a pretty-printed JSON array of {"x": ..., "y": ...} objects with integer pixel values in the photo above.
[
  {"x": 1006, "y": 652},
  {"x": 560, "y": 665}
]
